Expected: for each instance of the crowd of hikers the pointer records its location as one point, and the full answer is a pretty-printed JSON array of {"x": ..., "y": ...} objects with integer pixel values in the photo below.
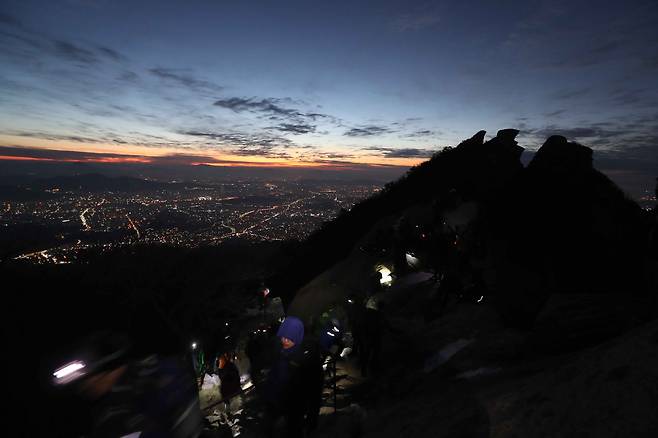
[
  {"x": 289, "y": 365},
  {"x": 288, "y": 361}
]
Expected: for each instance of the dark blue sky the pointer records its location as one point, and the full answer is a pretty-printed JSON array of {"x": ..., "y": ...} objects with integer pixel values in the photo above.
[{"x": 308, "y": 82}]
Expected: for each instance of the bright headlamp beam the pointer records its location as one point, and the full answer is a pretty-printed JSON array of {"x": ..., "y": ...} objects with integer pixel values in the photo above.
[{"x": 68, "y": 369}]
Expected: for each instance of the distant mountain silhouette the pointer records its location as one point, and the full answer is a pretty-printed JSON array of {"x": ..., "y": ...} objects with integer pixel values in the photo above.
[
  {"x": 96, "y": 182},
  {"x": 22, "y": 194},
  {"x": 40, "y": 188}
]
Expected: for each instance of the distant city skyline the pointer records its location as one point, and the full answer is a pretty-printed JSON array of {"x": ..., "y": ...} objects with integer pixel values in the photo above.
[{"x": 334, "y": 85}]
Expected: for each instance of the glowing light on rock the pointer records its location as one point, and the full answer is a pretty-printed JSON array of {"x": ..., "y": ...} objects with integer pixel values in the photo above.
[
  {"x": 386, "y": 276},
  {"x": 412, "y": 261}
]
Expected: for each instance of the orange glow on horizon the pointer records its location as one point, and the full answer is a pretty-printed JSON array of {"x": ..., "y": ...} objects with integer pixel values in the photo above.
[
  {"x": 121, "y": 160},
  {"x": 261, "y": 164},
  {"x": 81, "y": 160},
  {"x": 16, "y": 158},
  {"x": 222, "y": 163},
  {"x": 122, "y": 153}
]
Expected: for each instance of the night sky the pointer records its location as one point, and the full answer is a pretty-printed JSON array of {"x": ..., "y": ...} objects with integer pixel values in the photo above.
[{"x": 330, "y": 83}]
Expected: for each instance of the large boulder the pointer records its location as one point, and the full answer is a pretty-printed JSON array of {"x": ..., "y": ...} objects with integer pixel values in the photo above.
[{"x": 559, "y": 156}]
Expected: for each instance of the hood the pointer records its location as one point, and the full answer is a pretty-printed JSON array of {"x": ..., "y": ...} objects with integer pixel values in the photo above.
[{"x": 293, "y": 329}]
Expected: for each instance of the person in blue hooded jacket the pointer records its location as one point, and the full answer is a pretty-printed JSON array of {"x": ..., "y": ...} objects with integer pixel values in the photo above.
[{"x": 293, "y": 388}]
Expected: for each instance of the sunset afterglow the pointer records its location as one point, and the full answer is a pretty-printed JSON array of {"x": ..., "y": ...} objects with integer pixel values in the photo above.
[{"x": 335, "y": 85}]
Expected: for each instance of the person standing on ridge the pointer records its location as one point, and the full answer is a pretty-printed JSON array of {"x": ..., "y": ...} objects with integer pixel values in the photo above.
[
  {"x": 290, "y": 394},
  {"x": 230, "y": 389}
]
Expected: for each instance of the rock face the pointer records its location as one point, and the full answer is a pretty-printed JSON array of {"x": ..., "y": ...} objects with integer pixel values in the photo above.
[
  {"x": 495, "y": 386},
  {"x": 556, "y": 227},
  {"x": 570, "y": 321},
  {"x": 542, "y": 271},
  {"x": 505, "y": 142},
  {"x": 557, "y": 155},
  {"x": 474, "y": 170},
  {"x": 606, "y": 391}
]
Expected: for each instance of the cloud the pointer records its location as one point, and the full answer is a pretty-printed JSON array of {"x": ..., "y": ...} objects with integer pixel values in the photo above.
[
  {"x": 54, "y": 137},
  {"x": 192, "y": 160},
  {"x": 295, "y": 128},
  {"x": 111, "y": 53},
  {"x": 570, "y": 94},
  {"x": 9, "y": 20},
  {"x": 402, "y": 153},
  {"x": 634, "y": 97},
  {"x": 129, "y": 76},
  {"x": 632, "y": 140},
  {"x": 36, "y": 154},
  {"x": 183, "y": 78},
  {"x": 270, "y": 105},
  {"x": 266, "y": 152},
  {"x": 349, "y": 165},
  {"x": 70, "y": 51},
  {"x": 367, "y": 131},
  {"x": 242, "y": 139},
  {"x": 276, "y": 109},
  {"x": 592, "y": 131},
  {"x": 419, "y": 133},
  {"x": 22, "y": 42},
  {"x": 415, "y": 21},
  {"x": 554, "y": 113},
  {"x": 333, "y": 155},
  {"x": 17, "y": 152},
  {"x": 100, "y": 135}
]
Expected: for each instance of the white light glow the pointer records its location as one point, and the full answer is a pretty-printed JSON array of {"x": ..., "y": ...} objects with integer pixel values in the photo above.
[
  {"x": 386, "y": 275},
  {"x": 481, "y": 298},
  {"x": 412, "y": 261},
  {"x": 331, "y": 334},
  {"x": 68, "y": 369},
  {"x": 193, "y": 345}
]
